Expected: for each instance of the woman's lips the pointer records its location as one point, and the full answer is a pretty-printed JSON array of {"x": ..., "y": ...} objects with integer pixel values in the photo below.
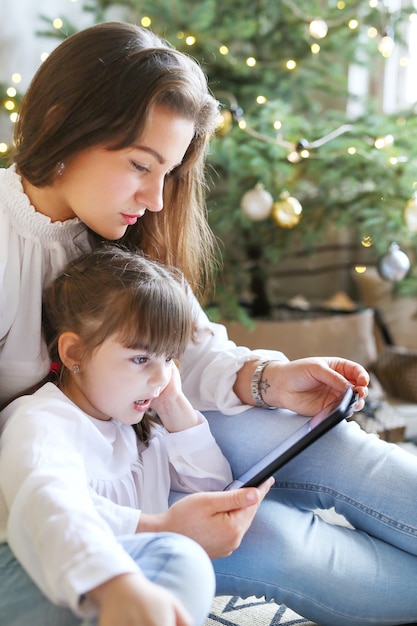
[{"x": 130, "y": 219}]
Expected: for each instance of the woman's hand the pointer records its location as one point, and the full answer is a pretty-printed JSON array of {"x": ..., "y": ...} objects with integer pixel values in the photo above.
[
  {"x": 304, "y": 385},
  {"x": 216, "y": 520},
  {"x": 133, "y": 600}
]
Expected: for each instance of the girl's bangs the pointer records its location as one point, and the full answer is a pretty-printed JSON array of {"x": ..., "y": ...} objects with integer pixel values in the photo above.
[{"x": 159, "y": 324}]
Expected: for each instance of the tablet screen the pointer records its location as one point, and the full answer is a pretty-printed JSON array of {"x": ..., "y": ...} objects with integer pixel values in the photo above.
[{"x": 328, "y": 417}]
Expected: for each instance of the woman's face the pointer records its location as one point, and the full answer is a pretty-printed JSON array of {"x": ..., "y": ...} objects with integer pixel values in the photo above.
[{"x": 110, "y": 190}]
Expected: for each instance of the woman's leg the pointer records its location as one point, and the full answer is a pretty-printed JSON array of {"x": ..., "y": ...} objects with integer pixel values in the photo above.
[
  {"x": 330, "y": 574},
  {"x": 172, "y": 561}
]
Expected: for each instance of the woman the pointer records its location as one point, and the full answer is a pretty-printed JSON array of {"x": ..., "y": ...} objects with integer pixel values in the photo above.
[{"x": 113, "y": 129}]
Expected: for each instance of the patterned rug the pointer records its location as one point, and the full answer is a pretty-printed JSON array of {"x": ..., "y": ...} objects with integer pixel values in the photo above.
[{"x": 233, "y": 611}]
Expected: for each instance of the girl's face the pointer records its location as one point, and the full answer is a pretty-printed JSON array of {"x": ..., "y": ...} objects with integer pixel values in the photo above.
[
  {"x": 110, "y": 190},
  {"x": 118, "y": 382}
]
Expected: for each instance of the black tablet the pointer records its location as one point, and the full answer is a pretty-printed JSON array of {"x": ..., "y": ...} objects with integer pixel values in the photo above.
[{"x": 328, "y": 417}]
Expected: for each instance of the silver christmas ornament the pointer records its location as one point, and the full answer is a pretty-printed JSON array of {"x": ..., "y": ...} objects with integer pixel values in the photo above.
[
  {"x": 257, "y": 203},
  {"x": 394, "y": 265}
]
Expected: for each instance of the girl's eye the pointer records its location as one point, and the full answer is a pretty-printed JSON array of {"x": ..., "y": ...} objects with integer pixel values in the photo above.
[
  {"x": 140, "y": 360},
  {"x": 168, "y": 359}
]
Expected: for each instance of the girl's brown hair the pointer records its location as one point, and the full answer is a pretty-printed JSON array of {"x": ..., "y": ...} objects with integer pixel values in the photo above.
[
  {"x": 98, "y": 87},
  {"x": 114, "y": 292}
]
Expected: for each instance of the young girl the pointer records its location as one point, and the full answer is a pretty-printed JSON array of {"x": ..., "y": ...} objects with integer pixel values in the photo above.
[
  {"x": 74, "y": 473},
  {"x": 110, "y": 143}
]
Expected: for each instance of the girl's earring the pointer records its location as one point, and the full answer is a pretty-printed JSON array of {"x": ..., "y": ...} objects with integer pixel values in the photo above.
[
  {"x": 75, "y": 368},
  {"x": 60, "y": 168}
]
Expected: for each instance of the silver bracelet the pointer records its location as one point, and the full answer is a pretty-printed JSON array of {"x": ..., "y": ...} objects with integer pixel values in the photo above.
[{"x": 255, "y": 386}]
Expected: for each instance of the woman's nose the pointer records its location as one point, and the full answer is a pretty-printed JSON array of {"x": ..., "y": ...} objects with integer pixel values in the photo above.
[{"x": 152, "y": 197}]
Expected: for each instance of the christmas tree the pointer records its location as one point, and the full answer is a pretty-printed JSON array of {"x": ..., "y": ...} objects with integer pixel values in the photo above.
[{"x": 299, "y": 162}]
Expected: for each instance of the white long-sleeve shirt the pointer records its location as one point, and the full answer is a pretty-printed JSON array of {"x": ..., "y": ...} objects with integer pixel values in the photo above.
[
  {"x": 33, "y": 250},
  {"x": 72, "y": 484}
]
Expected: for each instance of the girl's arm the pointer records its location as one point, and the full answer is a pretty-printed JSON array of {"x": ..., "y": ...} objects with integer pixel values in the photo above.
[
  {"x": 53, "y": 527},
  {"x": 196, "y": 461}
]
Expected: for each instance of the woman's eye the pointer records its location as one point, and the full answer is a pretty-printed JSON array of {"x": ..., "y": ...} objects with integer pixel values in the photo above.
[{"x": 140, "y": 168}]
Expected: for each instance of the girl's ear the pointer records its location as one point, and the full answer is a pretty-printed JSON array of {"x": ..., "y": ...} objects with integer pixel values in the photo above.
[{"x": 70, "y": 349}]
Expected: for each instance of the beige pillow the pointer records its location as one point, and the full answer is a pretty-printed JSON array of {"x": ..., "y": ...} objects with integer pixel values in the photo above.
[{"x": 348, "y": 335}]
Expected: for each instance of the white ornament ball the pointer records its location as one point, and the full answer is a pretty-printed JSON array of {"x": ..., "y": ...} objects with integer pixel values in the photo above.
[
  {"x": 256, "y": 204},
  {"x": 394, "y": 265}
]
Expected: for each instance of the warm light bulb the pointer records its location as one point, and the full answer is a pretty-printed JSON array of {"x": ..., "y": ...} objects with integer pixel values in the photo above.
[
  {"x": 383, "y": 142},
  {"x": 386, "y": 46},
  {"x": 251, "y": 61},
  {"x": 146, "y": 21},
  {"x": 224, "y": 50},
  {"x": 351, "y": 150},
  {"x": 353, "y": 24},
  {"x": 315, "y": 48},
  {"x": 291, "y": 64},
  {"x": 372, "y": 32},
  {"x": 57, "y": 23},
  {"x": 261, "y": 99},
  {"x": 242, "y": 124},
  {"x": 360, "y": 269},
  {"x": 277, "y": 124},
  {"x": 318, "y": 29},
  {"x": 11, "y": 92},
  {"x": 3, "y": 148},
  {"x": 190, "y": 40},
  {"x": 9, "y": 105},
  {"x": 16, "y": 78},
  {"x": 294, "y": 156}
]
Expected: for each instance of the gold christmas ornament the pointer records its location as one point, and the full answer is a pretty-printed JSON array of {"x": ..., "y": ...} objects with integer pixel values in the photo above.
[
  {"x": 410, "y": 214},
  {"x": 257, "y": 203},
  {"x": 287, "y": 212},
  {"x": 224, "y": 122}
]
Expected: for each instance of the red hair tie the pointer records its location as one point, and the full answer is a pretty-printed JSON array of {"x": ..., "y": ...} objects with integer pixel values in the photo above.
[{"x": 54, "y": 368}]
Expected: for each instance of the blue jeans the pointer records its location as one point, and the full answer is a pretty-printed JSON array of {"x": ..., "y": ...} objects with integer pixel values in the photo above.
[
  {"x": 328, "y": 573},
  {"x": 172, "y": 561}
]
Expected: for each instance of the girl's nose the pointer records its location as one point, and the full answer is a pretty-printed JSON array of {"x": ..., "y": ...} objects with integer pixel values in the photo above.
[{"x": 159, "y": 376}]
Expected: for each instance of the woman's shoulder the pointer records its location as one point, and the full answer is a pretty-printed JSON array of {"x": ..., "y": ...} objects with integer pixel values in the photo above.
[{"x": 28, "y": 224}]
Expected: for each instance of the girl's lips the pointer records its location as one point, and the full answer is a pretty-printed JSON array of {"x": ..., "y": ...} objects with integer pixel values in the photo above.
[{"x": 142, "y": 405}]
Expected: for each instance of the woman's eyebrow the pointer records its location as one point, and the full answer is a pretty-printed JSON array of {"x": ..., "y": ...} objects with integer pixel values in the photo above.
[{"x": 153, "y": 152}]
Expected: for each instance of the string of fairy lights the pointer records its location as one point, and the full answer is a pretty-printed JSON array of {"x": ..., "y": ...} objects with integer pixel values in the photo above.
[{"x": 257, "y": 203}]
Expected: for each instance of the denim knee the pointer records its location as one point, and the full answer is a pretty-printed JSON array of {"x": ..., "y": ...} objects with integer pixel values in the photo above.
[{"x": 178, "y": 564}]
